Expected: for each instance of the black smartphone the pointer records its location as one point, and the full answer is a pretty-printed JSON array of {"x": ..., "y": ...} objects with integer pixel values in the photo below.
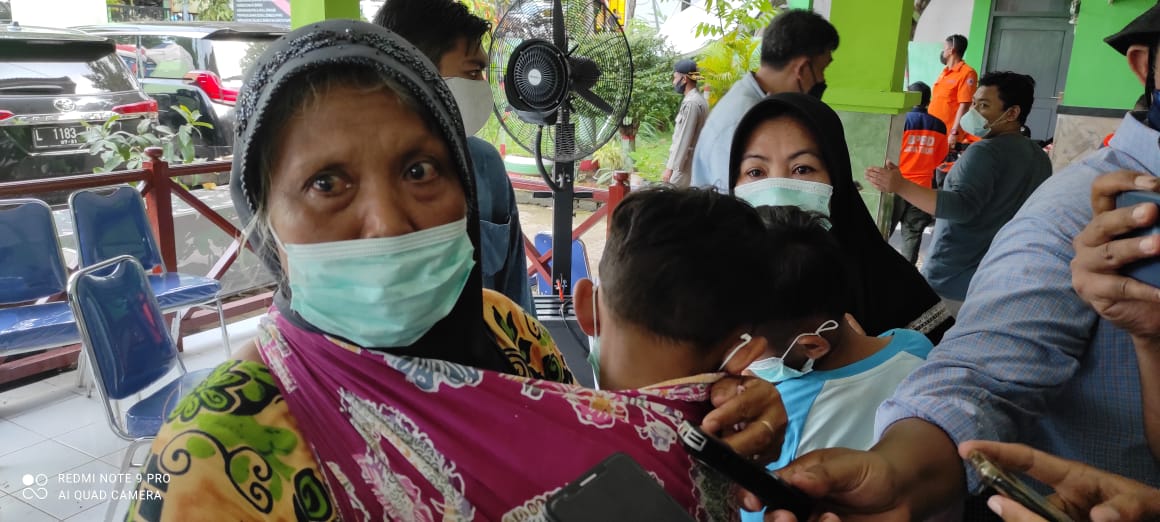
[
  {"x": 771, "y": 489},
  {"x": 616, "y": 490},
  {"x": 1014, "y": 489},
  {"x": 1144, "y": 270}
]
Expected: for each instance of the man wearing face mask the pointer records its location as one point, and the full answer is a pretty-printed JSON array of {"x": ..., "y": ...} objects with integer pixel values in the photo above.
[
  {"x": 831, "y": 377},
  {"x": 1030, "y": 361},
  {"x": 452, "y": 38},
  {"x": 954, "y": 89},
  {"x": 984, "y": 189},
  {"x": 690, "y": 120},
  {"x": 796, "y": 48}
]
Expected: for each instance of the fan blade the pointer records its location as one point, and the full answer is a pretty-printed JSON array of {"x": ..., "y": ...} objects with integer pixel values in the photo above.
[
  {"x": 560, "y": 38},
  {"x": 595, "y": 100}
]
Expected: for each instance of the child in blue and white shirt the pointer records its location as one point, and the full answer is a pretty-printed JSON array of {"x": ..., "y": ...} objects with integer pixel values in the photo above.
[{"x": 831, "y": 376}]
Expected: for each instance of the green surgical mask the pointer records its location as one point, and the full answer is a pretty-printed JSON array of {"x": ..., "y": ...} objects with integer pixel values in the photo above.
[
  {"x": 381, "y": 292},
  {"x": 778, "y": 192}
]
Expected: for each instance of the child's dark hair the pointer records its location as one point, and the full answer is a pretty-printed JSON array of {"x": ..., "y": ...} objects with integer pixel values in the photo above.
[
  {"x": 810, "y": 275},
  {"x": 686, "y": 264}
]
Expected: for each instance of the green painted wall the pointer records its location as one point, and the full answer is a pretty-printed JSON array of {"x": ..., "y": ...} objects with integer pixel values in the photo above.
[
  {"x": 1098, "y": 76},
  {"x": 868, "y": 66},
  {"x": 304, "y": 12},
  {"x": 977, "y": 40},
  {"x": 801, "y": 4}
]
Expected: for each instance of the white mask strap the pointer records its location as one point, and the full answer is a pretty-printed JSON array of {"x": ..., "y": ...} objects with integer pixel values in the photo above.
[
  {"x": 745, "y": 340},
  {"x": 825, "y": 327},
  {"x": 595, "y": 316}
]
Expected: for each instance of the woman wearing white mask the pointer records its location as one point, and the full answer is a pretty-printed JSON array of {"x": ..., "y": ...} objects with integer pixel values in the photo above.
[
  {"x": 790, "y": 149},
  {"x": 386, "y": 383}
]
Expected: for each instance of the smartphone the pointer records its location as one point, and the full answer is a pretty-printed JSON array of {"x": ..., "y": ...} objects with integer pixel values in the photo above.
[
  {"x": 771, "y": 489},
  {"x": 1144, "y": 270},
  {"x": 616, "y": 490},
  {"x": 1014, "y": 489}
]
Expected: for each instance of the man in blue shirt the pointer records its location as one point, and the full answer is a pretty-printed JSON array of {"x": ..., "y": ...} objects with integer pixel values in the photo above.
[
  {"x": 1028, "y": 360},
  {"x": 447, "y": 33},
  {"x": 796, "y": 48}
]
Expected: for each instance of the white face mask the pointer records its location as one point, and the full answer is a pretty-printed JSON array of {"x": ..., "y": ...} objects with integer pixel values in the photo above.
[
  {"x": 806, "y": 195},
  {"x": 774, "y": 370},
  {"x": 474, "y": 100}
]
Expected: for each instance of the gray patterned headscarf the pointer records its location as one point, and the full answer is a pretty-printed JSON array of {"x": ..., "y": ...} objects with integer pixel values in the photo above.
[
  {"x": 337, "y": 43},
  {"x": 460, "y": 337}
]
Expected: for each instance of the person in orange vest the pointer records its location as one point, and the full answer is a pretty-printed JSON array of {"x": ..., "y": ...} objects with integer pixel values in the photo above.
[
  {"x": 924, "y": 146},
  {"x": 953, "y": 91}
]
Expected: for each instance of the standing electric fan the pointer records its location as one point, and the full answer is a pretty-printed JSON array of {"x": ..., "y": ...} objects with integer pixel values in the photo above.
[{"x": 564, "y": 70}]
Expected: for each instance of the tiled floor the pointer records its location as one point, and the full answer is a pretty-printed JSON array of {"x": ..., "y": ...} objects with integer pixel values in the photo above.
[{"x": 57, "y": 439}]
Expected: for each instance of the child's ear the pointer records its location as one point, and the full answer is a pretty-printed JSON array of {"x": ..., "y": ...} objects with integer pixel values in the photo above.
[
  {"x": 814, "y": 346},
  {"x": 747, "y": 355},
  {"x": 582, "y": 297}
]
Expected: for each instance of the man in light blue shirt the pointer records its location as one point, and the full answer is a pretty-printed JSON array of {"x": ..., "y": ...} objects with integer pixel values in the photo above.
[
  {"x": 1028, "y": 360},
  {"x": 796, "y": 48}
]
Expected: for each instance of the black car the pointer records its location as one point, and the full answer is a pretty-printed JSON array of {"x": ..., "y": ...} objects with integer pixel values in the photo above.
[
  {"x": 52, "y": 82},
  {"x": 196, "y": 64}
]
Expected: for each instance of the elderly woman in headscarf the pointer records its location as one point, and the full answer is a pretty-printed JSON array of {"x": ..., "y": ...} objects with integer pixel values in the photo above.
[
  {"x": 790, "y": 149},
  {"x": 382, "y": 386}
]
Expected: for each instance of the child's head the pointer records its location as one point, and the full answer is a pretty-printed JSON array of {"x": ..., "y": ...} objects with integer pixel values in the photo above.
[
  {"x": 682, "y": 284},
  {"x": 807, "y": 303}
]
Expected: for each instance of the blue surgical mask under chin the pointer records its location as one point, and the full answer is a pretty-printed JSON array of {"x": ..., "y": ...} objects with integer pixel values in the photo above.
[
  {"x": 380, "y": 292},
  {"x": 776, "y": 192},
  {"x": 774, "y": 369}
]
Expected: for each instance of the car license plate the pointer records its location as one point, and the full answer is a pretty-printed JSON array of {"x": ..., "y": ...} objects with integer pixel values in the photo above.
[{"x": 56, "y": 137}]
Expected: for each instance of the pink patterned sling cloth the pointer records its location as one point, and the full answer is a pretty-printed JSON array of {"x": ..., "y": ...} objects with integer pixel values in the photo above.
[{"x": 402, "y": 438}]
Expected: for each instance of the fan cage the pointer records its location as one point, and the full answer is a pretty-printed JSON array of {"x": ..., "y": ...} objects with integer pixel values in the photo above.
[{"x": 593, "y": 32}]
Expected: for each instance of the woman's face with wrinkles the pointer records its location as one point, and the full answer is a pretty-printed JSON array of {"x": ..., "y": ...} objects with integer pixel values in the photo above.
[{"x": 360, "y": 164}]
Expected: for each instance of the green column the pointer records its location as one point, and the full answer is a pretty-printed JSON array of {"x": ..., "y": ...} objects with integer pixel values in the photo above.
[
  {"x": 865, "y": 86},
  {"x": 801, "y": 4},
  {"x": 868, "y": 67},
  {"x": 977, "y": 39},
  {"x": 304, "y": 12}
]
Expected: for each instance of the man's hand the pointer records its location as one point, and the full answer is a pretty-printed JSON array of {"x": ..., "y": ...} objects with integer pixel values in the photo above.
[
  {"x": 1129, "y": 304},
  {"x": 1083, "y": 492},
  {"x": 952, "y": 138},
  {"x": 886, "y": 179},
  {"x": 749, "y": 416},
  {"x": 857, "y": 485},
  {"x": 667, "y": 175}
]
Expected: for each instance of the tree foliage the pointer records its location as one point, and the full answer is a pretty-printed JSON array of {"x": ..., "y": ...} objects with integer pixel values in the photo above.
[
  {"x": 736, "y": 50},
  {"x": 653, "y": 104},
  {"x": 215, "y": 11}
]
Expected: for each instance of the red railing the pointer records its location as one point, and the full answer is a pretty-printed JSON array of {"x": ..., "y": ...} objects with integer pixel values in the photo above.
[
  {"x": 158, "y": 189},
  {"x": 611, "y": 197}
]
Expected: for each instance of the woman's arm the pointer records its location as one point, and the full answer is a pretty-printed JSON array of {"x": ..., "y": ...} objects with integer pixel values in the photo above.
[{"x": 231, "y": 451}]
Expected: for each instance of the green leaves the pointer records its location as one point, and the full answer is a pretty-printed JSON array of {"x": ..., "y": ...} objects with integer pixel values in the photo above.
[{"x": 119, "y": 149}]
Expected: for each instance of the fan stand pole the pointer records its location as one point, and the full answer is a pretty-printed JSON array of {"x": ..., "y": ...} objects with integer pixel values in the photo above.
[
  {"x": 562, "y": 209},
  {"x": 562, "y": 229}
]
